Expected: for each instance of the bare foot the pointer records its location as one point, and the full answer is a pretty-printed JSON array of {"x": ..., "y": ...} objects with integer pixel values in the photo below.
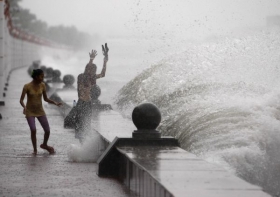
[
  {"x": 48, "y": 148},
  {"x": 34, "y": 153}
]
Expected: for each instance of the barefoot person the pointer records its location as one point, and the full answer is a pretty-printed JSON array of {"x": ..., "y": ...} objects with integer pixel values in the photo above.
[
  {"x": 34, "y": 108},
  {"x": 86, "y": 81}
]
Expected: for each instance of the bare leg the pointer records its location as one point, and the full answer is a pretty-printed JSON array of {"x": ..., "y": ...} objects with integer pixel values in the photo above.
[
  {"x": 45, "y": 124},
  {"x": 34, "y": 141},
  {"x": 31, "y": 123}
]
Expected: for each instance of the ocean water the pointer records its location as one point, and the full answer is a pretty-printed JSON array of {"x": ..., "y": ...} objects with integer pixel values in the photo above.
[
  {"x": 221, "y": 99},
  {"x": 87, "y": 152}
]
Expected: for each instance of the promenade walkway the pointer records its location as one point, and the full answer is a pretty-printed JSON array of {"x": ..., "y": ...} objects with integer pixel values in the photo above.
[{"x": 23, "y": 174}]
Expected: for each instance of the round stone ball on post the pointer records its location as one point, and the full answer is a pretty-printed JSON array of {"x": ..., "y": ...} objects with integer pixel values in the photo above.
[
  {"x": 68, "y": 80},
  {"x": 49, "y": 73},
  {"x": 56, "y": 76},
  {"x": 146, "y": 117}
]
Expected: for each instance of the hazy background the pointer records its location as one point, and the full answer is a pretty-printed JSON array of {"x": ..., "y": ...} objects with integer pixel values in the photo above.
[
  {"x": 165, "y": 18},
  {"x": 142, "y": 32}
]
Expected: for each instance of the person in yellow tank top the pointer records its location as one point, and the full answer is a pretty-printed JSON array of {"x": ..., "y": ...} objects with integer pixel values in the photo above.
[{"x": 35, "y": 90}]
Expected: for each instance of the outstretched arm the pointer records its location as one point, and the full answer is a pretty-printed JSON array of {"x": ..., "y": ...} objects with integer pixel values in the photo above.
[
  {"x": 103, "y": 72},
  {"x": 105, "y": 51},
  {"x": 49, "y": 100}
]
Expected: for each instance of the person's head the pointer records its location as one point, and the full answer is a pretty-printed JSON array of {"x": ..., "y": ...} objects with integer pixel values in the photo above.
[
  {"x": 90, "y": 69},
  {"x": 38, "y": 75}
]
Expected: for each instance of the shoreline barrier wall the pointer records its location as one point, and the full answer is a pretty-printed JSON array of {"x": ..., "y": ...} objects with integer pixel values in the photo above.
[{"x": 158, "y": 167}]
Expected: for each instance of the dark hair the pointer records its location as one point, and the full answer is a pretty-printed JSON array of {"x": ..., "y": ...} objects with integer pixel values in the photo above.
[{"x": 36, "y": 72}]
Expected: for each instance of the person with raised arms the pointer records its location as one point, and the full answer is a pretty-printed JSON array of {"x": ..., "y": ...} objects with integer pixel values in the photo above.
[{"x": 85, "y": 83}]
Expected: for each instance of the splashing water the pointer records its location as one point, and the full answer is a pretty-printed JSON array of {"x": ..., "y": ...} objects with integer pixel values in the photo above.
[
  {"x": 89, "y": 151},
  {"x": 221, "y": 99}
]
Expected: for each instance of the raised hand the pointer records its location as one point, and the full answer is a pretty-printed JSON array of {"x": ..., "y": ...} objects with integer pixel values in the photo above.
[
  {"x": 105, "y": 51},
  {"x": 93, "y": 54}
]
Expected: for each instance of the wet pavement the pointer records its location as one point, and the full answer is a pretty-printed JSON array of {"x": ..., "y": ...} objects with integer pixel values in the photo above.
[{"x": 23, "y": 174}]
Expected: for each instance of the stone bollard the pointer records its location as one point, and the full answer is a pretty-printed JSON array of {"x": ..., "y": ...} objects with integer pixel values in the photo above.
[
  {"x": 56, "y": 76},
  {"x": 43, "y": 68},
  {"x": 146, "y": 117},
  {"x": 49, "y": 73},
  {"x": 96, "y": 103},
  {"x": 68, "y": 80},
  {"x": 35, "y": 65}
]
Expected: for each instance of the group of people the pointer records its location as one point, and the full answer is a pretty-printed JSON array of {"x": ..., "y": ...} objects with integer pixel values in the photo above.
[{"x": 36, "y": 90}]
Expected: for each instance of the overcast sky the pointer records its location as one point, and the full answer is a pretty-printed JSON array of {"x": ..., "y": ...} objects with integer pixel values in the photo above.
[{"x": 165, "y": 18}]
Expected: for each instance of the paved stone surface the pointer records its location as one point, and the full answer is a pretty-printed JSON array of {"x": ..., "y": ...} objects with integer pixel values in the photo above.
[
  {"x": 43, "y": 175},
  {"x": 111, "y": 124}
]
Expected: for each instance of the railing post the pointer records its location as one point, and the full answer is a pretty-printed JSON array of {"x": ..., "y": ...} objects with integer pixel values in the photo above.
[
  {"x": 2, "y": 56},
  {"x": 146, "y": 117}
]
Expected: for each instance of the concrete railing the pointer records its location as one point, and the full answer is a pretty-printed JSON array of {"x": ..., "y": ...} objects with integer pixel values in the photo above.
[{"x": 151, "y": 165}]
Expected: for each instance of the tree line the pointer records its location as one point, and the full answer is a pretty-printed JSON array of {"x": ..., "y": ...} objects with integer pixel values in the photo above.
[{"x": 66, "y": 35}]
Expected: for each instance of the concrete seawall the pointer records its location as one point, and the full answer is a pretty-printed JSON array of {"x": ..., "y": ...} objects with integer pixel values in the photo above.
[
  {"x": 164, "y": 169},
  {"x": 159, "y": 167}
]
